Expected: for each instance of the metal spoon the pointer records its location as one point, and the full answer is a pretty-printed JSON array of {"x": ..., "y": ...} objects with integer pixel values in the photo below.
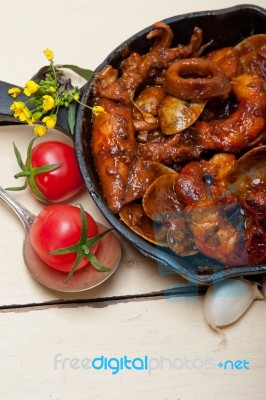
[{"x": 83, "y": 279}]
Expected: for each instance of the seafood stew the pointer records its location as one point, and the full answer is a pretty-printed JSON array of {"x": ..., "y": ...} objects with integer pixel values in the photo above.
[{"x": 167, "y": 163}]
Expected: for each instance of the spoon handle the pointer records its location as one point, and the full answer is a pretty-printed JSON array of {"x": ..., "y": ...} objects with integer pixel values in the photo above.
[{"x": 24, "y": 215}]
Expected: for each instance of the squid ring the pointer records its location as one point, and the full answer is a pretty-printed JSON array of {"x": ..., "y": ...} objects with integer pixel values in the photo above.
[{"x": 196, "y": 79}]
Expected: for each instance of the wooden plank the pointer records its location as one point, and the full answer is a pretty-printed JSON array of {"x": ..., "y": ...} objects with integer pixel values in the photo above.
[{"x": 44, "y": 352}]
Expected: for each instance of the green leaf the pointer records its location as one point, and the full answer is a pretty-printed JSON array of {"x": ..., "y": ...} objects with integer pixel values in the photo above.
[
  {"x": 65, "y": 250},
  {"x": 95, "y": 263},
  {"x": 36, "y": 190},
  {"x": 22, "y": 174},
  {"x": 29, "y": 150},
  {"x": 75, "y": 266},
  {"x": 18, "y": 157},
  {"x": 84, "y": 73},
  {"x": 92, "y": 241},
  {"x": 84, "y": 225},
  {"x": 18, "y": 188},
  {"x": 71, "y": 114},
  {"x": 45, "y": 168}
]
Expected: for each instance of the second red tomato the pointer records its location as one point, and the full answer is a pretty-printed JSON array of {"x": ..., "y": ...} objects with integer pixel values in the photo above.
[{"x": 64, "y": 181}]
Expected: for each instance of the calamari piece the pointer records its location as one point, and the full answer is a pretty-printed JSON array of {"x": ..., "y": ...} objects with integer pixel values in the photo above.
[
  {"x": 136, "y": 68},
  {"x": 173, "y": 148},
  {"x": 176, "y": 115},
  {"x": 252, "y": 54},
  {"x": 114, "y": 149},
  {"x": 135, "y": 218},
  {"x": 107, "y": 85},
  {"x": 160, "y": 198},
  {"x": 196, "y": 79}
]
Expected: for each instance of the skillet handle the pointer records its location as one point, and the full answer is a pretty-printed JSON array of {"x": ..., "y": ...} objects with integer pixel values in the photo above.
[
  {"x": 6, "y": 115},
  {"x": 7, "y": 118}
]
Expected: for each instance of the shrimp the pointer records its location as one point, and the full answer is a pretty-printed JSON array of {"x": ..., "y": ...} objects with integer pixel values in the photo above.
[
  {"x": 228, "y": 59},
  {"x": 215, "y": 237},
  {"x": 244, "y": 125},
  {"x": 201, "y": 183}
]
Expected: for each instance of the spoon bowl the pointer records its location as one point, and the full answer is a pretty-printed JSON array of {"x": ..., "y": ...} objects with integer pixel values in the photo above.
[{"x": 83, "y": 279}]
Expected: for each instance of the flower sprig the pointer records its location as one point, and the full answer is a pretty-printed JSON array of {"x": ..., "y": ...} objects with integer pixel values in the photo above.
[{"x": 46, "y": 96}]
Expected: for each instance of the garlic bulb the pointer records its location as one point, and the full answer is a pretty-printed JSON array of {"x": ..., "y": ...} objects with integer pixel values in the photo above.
[{"x": 226, "y": 301}]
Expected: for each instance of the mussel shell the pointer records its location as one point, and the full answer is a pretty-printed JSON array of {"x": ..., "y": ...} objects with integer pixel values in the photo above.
[
  {"x": 249, "y": 172},
  {"x": 133, "y": 215},
  {"x": 251, "y": 43},
  {"x": 176, "y": 115},
  {"x": 143, "y": 173},
  {"x": 252, "y": 51},
  {"x": 160, "y": 198}
]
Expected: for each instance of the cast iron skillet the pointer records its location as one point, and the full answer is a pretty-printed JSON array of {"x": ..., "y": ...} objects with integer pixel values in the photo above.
[{"x": 226, "y": 27}]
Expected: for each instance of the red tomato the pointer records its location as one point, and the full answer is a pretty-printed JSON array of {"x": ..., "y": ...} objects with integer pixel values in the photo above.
[
  {"x": 63, "y": 182},
  {"x": 59, "y": 226}
]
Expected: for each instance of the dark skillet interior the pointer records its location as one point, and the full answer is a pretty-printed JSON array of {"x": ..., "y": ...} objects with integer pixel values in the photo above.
[{"x": 226, "y": 27}]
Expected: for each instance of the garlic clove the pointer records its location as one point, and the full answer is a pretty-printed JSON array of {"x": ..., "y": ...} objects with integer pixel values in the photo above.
[{"x": 226, "y": 301}]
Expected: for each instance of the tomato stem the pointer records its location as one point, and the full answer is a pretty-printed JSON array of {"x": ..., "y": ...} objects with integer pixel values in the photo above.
[{"x": 29, "y": 172}]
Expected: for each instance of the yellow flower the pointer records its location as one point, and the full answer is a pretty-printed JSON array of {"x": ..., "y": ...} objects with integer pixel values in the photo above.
[
  {"x": 21, "y": 111},
  {"x": 25, "y": 116},
  {"x": 17, "y": 107},
  {"x": 98, "y": 110},
  {"x": 30, "y": 88},
  {"x": 40, "y": 130},
  {"x": 50, "y": 121},
  {"x": 48, "y": 102},
  {"x": 14, "y": 92},
  {"x": 49, "y": 54}
]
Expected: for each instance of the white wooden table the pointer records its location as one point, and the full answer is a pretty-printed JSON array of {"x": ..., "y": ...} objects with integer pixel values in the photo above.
[{"x": 46, "y": 338}]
